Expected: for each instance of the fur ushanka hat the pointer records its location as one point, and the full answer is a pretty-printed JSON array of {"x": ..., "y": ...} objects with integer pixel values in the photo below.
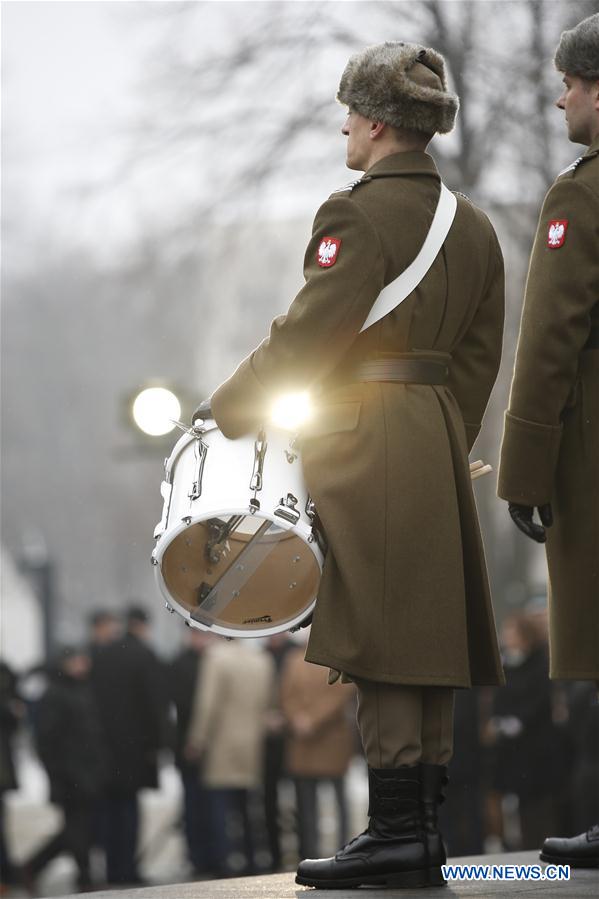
[
  {"x": 578, "y": 50},
  {"x": 403, "y": 85}
]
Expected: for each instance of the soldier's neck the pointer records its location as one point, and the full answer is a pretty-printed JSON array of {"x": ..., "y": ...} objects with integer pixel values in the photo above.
[{"x": 389, "y": 148}]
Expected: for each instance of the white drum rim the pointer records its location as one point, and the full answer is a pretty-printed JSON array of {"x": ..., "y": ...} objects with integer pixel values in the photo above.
[
  {"x": 231, "y": 632},
  {"x": 171, "y": 603}
]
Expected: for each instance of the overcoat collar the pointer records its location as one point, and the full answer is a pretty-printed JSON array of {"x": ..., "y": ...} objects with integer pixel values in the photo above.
[
  {"x": 413, "y": 162},
  {"x": 593, "y": 149}
]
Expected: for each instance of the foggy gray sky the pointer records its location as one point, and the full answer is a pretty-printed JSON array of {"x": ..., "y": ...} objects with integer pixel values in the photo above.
[
  {"x": 70, "y": 75},
  {"x": 78, "y": 78}
]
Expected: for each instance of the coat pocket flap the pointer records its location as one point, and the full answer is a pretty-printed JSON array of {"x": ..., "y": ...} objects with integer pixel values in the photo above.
[{"x": 334, "y": 418}]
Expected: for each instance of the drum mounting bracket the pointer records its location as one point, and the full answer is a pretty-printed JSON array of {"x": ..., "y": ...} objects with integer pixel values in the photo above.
[{"x": 287, "y": 508}]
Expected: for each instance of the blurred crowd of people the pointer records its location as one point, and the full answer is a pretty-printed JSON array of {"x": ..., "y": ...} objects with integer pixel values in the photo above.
[
  {"x": 242, "y": 718},
  {"x": 236, "y": 717},
  {"x": 526, "y": 757}
]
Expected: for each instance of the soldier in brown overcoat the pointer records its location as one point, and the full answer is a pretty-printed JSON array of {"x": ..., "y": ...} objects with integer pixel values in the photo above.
[
  {"x": 550, "y": 452},
  {"x": 403, "y": 607}
]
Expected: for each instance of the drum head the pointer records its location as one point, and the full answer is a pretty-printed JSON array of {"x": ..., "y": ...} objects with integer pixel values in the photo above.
[{"x": 240, "y": 573}]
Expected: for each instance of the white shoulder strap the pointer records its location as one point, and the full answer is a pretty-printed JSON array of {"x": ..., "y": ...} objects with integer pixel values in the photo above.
[{"x": 395, "y": 293}]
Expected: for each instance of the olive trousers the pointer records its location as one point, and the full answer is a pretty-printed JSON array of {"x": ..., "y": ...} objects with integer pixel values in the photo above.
[{"x": 404, "y": 725}]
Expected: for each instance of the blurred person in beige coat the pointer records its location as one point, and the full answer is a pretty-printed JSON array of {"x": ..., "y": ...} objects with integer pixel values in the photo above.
[
  {"x": 321, "y": 741},
  {"x": 226, "y": 735}
]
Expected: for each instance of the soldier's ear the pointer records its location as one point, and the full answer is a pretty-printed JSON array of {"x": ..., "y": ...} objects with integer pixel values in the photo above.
[{"x": 376, "y": 129}]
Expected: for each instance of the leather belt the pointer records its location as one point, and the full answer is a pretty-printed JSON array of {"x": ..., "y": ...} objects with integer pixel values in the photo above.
[
  {"x": 592, "y": 341},
  {"x": 407, "y": 371}
]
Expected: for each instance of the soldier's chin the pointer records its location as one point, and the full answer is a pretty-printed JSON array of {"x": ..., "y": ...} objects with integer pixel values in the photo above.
[{"x": 577, "y": 135}]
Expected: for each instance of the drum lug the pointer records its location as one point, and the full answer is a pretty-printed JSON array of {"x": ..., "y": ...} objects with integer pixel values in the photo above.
[
  {"x": 290, "y": 454},
  {"x": 287, "y": 508},
  {"x": 254, "y": 506},
  {"x": 169, "y": 608},
  {"x": 187, "y": 519},
  {"x": 200, "y": 451},
  {"x": 310, "y": 508},
  {"x": 260, "y": 447},
  {"x": 154, "y": 560}
]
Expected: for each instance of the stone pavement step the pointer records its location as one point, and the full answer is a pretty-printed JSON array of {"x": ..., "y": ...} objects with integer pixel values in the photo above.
[{"x": 583, "y": 884}]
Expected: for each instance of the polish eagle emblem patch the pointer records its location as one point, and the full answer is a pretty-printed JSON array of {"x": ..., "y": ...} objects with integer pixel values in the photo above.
[
  {"x": 328, "y": 251},
  {"x": 556, "y": 234}
]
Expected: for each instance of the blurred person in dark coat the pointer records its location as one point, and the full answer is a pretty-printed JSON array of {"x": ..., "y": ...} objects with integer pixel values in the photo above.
[
  {"x": 184, "y": 675},
  {"x": 522, "y": 729},
  {"x": 462, "y": 816},
  {"x": 582, "y": 729},
  {"x": 70, "y": 745},
  {"x": 278, "y": 646},
  {"x": 11, "y": 712},
  {"x": 320, "y": 743},
  {"x": 129, "y": 686},
  {"x": 104, "y": 628}
]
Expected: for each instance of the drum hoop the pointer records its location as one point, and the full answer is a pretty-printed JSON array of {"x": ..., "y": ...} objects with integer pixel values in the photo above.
[
  {"x": 300, "y": 527},
  {"x": 173, "y": 605}
]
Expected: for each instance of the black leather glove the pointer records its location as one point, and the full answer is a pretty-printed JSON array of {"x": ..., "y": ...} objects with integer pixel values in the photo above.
[
  {"x": 203, "y": 412},
  {"x": 522, "y": 518}
]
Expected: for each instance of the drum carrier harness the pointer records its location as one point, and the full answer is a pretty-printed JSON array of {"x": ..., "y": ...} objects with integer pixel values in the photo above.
[{"x": 403, "y": 369}]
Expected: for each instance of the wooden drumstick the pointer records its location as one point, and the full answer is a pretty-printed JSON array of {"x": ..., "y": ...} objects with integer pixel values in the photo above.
[{"x": 478, "y": 469}]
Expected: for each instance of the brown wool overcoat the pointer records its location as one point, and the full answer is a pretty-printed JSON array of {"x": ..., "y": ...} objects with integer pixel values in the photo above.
[
  {"x": 326, "y": 748},
  {"x": 404, "y": 596},
  {"x": 550, "y": 450}
]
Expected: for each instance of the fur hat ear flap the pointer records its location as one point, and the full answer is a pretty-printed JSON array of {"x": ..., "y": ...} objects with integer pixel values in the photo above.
[
  {"x": 578, "y": 50},
  {"x": 403, "y": 85}
]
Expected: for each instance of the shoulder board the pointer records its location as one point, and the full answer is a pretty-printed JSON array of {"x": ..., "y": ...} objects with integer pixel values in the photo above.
[
  {"x": 572, "y": 167},
  {"x": 352, "y": 184}
]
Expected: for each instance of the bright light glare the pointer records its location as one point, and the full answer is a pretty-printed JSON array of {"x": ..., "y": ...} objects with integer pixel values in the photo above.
[
  {"x": 153, "y": 410},
  {"x": 291, "y": 411}
]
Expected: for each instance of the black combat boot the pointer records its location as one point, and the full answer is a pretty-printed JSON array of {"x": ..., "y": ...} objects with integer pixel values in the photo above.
[
  {"x": 578, "y": 852},
  {"x": 433, "y": 782},
  {"x": 392, "y": 851}
]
